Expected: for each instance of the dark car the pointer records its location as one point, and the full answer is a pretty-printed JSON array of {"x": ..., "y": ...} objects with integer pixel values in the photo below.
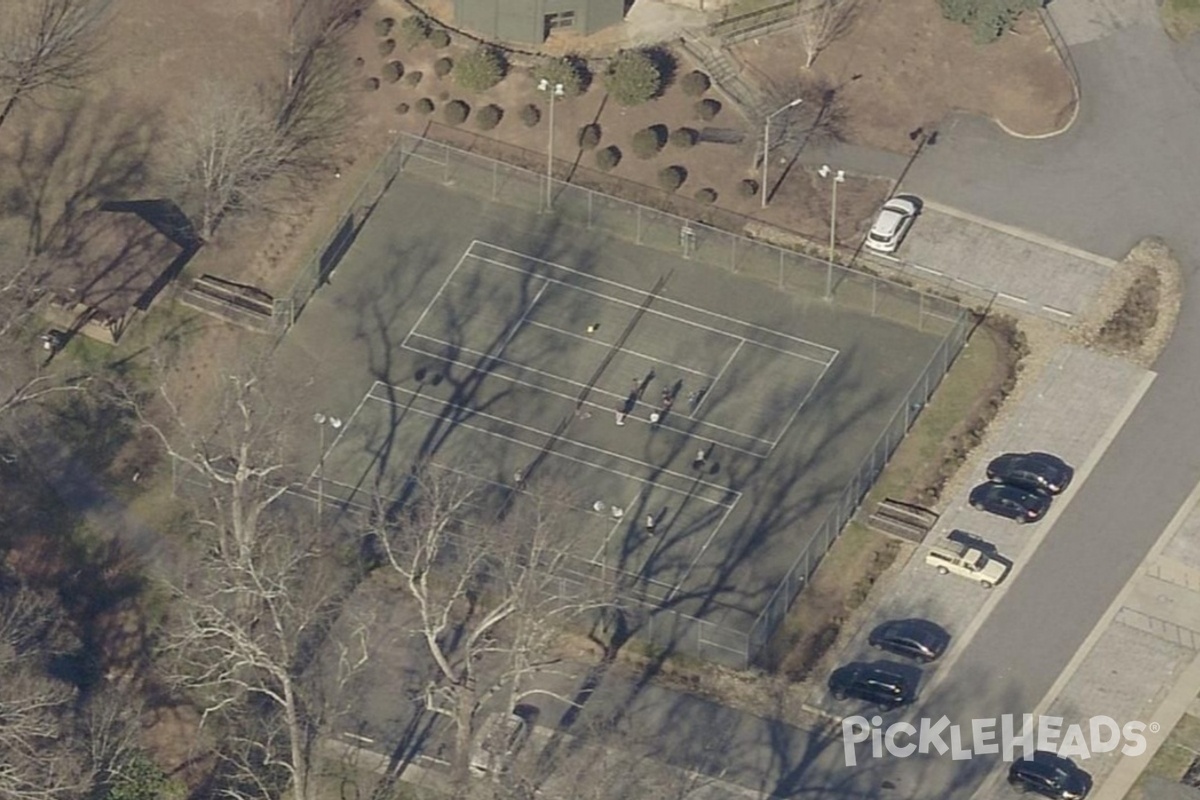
[
  {"x": 1038, "y": 472},
  {"x": 1010, "y": 501},
  {"x": 882, "y": 684},
  {"x": 917, "y": 639},
  {"x": 1049, "y": 775}
]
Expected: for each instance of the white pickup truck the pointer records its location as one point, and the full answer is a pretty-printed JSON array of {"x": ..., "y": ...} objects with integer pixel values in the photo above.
[{"x": 969, "y": 562}]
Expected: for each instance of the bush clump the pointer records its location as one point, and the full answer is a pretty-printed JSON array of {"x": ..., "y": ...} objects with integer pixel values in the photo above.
[
  {"x": 384, "y": 26},
  {"x": 386, "y": 47},
  {"x": 530, "y": 115},
  {"x": 480, "y": 69},
  {"x": 440, "y": 39},
  {"x": 748, "y": 187},
  {"x": 632, "y": 78},
  {"x": 708, "y": 108},
  {"x": 456, "y": 112},
  {"x": 608, "y": 157},
  {"x": 646, "y": 143},
  {"x": 442, "y": 67},
  {"x": 489, "y": 117},
  {"x": 425, "y": 106},
  {"x": 706, "y": 195},
  {"x": 414, "y": 30},
  {"x": 414, "y": 77},
  {"x": 371, "y": 84},
  {"x": 589, "y": 136},
  {"x": 402, "y": 109},
  {"x": 569, "y": 71},
  {"x": 684, "y": 138},
  {"x": 359, "y": 63},
  {"x": 393, "y": 71},
  {"x": 987, "y": 19},
  {"x": 672, "y": 177},
  {"x": 695, "y": 83}
]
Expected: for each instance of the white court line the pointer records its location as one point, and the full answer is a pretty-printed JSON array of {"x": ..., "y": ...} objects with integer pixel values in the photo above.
[
  {"x": 636, "y": 290},
  {"x": 703, "y": 550},
  {"x": 341, "y": 432},
  {"x": 638, "y": 353},
  {"x": 573, "y": 398},
  {"x": 708, "y": 392},
  {"x": 581, "y": 445},
  {"x": 616, "y": 525},
  {"x": 672, "y": 317},
  {"x": 438, "y": 294},
  {"x": 521, "y": 322},
  {"x": 803, "y": 402}
]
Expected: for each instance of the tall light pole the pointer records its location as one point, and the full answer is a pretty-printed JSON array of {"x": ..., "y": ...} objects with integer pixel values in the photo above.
[
  {"x": 322, "y": 420},
  {"x": 767, "y": 142},
  {"x": 554, "y": 90},
  {"x": 837, "y": 177}
]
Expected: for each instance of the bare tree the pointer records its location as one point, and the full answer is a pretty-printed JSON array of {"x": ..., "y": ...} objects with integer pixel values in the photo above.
[
  {"x": 259, "y": 641},
  {"x": 488, "y": 591},
  {"x": 820, "y": 22},
  {"x": 44, "y": 44},
  {"x": 227, "y": 153},
  {"x": 40, "y": 761}
]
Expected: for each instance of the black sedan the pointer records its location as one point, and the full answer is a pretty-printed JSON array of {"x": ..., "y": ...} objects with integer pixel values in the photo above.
[
  {"x": 1013, "y": 502},
  {"x": 1049, "y": 775},
  {"x": 882, "y": 684},
  {"x": 917, "y": 639},
  {"x": 1038, "y": 472}
]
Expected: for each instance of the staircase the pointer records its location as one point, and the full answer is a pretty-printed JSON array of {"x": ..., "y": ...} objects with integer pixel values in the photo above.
[{"x": 726, "y": 76}]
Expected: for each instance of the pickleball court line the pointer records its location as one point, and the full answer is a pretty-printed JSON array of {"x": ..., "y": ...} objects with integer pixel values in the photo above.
[
  {"x": 703, "y": 549},
  {"x": 697, "y": 309},
  {"x": 436, "y": 295},
  {"x": 768, "y": 443}
]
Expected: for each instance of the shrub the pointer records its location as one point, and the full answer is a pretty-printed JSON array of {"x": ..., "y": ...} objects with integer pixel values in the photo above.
[
  {"x": 706, "y": 195},
  {"x": 442, "y": 67},
  {"x": 480, "y": 69},
  {"x": 695, "y": 83},
  {"x": 456, "y": 112},
  {"x": 489, "y": 117},
  {"x": 371, "y": 84},
  {"x": 748, "y": 187},
  {"x": 414, "y": 30},
  {"x": 530, "y": 115},
  {"x": 414, "y": 77},
  {"x": 571, "y": 71},
  {"x": 393, "y": 71},
  {"x": 402, "y": 109},
  {"x": 632, "y": 78},
  {"x": 439, "y": 38},
  {"x": 386, "y": 47},
  {"x": 384, "y": 26},
  {"x": 360, "y": 62},
  {"x": 684, "y": 137},
  {"x": 589, "y": 136},
  {"x": 671, "y": 178},
  {"x": 646, "y": 143},
  {"x": 425, "y": 106},
  {"x": 608, "y": 157},
  {"x": 988, "y": 19},
  {"x": 708, "y": 108}
]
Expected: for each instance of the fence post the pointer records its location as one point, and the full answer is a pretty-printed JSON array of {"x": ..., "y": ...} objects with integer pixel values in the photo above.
[
  {"x": 733, "y": 254},
  {"x": 781, "y": 251},
  {"x": 638, "y": 217},
  {"x": 590, "y": 195},
  {"x": 829, "y": 281},
  {"x": 921, "y": 311},
  {"x": 874, "y": 296},
  {"x": 495, "y": 179}
]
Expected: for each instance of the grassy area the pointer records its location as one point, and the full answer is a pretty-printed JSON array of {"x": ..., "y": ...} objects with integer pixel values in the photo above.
[
  {"x": 1180, "y": 18},
  {"x": 1177, "y": 753}
]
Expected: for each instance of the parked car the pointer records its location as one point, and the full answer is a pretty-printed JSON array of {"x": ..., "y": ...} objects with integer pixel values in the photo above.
[
  {"x": 969, "y": 562},
  {"x": 883, "y": 684},
  {"x": 1039, "y": 472},
  {"x": 1050, "y": 775},
  {"x": 1013, "y": 502},
  {"x": 893, "y": 222},
  {"x": 918, "y": 639}
]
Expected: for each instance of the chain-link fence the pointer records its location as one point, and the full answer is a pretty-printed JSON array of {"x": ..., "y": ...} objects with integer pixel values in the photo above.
[{"x": 696, "y": 232}]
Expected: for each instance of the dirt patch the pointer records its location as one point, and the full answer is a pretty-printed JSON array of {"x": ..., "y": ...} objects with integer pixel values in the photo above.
[
  {"x": 902, "y": 66},
  {"x": 1138, "y": 308}
]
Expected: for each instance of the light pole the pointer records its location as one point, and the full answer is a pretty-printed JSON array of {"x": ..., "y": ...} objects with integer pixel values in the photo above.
[
  {"x": 837, "y": 177},
  {"x": 554, "y": 90},
  {"x": 767, "y": 142},
  {"x": 322, "y": 420}
]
